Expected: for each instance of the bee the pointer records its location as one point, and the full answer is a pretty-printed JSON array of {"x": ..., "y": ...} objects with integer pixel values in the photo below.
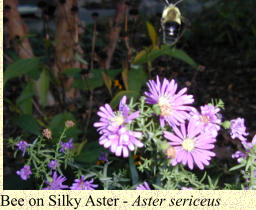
[{"x": 172, "y": 23}]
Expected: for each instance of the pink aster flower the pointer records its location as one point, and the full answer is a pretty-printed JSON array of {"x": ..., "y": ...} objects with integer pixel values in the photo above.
[
  {"x": 81, "y": 184},
  {"x": 25, "y": 172},
  {"x": 238, "y": 129},
  {"x": 208, "y": 119},
  {"x": 143, "y": 186},
  {"x": 192, "y": 146},
  {"x": 56, "y": 182},
  {"x": 114, "y": 129},
  {"x": 173, "y": 106}
]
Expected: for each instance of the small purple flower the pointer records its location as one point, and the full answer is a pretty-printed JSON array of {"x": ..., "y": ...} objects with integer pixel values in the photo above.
[
  {"x": 143, "y": 186},
  {"x": 53, "y": 164},
  {"x": 208, "y": 119},
  {"x": 56, "y": 183},
  {"x": 173, "y": 106},
  {"x": 192, "y": 146},
  {"x": 81, "y": 184},
  {"x": 22, "y": 145},
  {"x": 239, "y": 156},
  {"x": 66, "y": 145},
  {"x": 25, "y": 172},
  {"x": 187, "y": 188},
  {"x": 113, "y": 127},
  {"x": 238, "y": 129},
  {"x": 103, "y": 156}
]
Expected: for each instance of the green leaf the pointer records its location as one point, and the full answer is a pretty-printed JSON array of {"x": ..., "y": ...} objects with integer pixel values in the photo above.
[
  {"x": 136, "y": 79},
  {"x": 21, "y": 67},
  {"x": 180, "y": 54},
  {"x": 80, "y": 59},
  {"x": 129, "y": 93},
  {"x": 90, "y": 153},
  {"x": 28, "y": 123},
  {"x": 24, "y": 101},
  {"x": 133, "y": 170},
  {"x": 125, "y": 77},
  {"x": 72, "y": 72},
  {"x": 78, "y": 147},
  {"x": 152, "y": 33},
  {"x": 166, "y": 50},
  {"x": 107, "y": 81},
  {"x": 43, "y": 86},
  {"x": 237, "y": 167},
  {"x": 140, "y": 55}
]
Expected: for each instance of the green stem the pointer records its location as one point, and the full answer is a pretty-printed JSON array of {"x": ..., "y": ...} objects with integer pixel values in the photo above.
[{"x": 58, "y": 145}]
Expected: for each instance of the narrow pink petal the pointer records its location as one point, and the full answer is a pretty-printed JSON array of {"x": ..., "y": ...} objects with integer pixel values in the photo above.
[{"x": 125, "y": 152}]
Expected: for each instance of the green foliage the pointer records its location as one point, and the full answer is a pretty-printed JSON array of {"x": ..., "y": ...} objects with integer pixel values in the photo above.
[
  {"x": 146, "y": 56},
  {"x": 94, "y": 79},
  {"x": 129, "y": 93},
  {"x": 57, "y": 124},
  {"x": 133, "y": 170},
  {"x": 136, "y": 79},
  {"x": 90, "y": 153},
  {"x": 24, "y": 101},
  {"x": 28, "y": 123},
  {"x": 21, "y": 67},
  {"x": 152, "y": 34},
  {"x": 43, "y": 86}
]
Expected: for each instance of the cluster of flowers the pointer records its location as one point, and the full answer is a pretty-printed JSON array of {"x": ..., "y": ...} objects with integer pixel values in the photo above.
[
  {"x": 56, "y": 182},
  {"x": 114, "y": 129},
  {"x": 192, "y": 143},
  {"x": 194, "y": 133}
]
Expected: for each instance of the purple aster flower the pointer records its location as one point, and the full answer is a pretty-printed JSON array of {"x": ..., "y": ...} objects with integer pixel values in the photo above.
[
  {"x": 113, "y": 127},
  {"x": 238, "y": 129},
  {"x": 22, "y": 145},
  {"x": 191, "y": 145},
  {"x": 103, "y": 156},
  {"x": 187, "y": 188},
  {"x": 173, "y": 106},
  {"x": 24, "y": 173},
  {"x": 81, "y": 184},
  {"x": 143, "y": 186},
  {"x": 239, "y": 156},
  {"x": 56, "y": 183},
  {"x": 208, "y": 119},
  {"x": 66, "y": 145},
  {"x": 53, "y": 164}
]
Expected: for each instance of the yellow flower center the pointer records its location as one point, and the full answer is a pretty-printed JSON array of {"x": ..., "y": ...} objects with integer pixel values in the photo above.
[
  {"x": 165, "y": 107},
  {"x": 118, "y": 119},
  {"x": 188, "y": 144}
]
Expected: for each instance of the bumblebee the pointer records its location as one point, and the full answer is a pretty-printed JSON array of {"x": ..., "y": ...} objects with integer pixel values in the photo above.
[{"x": 172, "y": 23}]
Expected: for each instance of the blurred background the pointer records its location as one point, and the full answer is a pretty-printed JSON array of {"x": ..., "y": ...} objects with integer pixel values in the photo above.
[{"x": 65, "y": 58}]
